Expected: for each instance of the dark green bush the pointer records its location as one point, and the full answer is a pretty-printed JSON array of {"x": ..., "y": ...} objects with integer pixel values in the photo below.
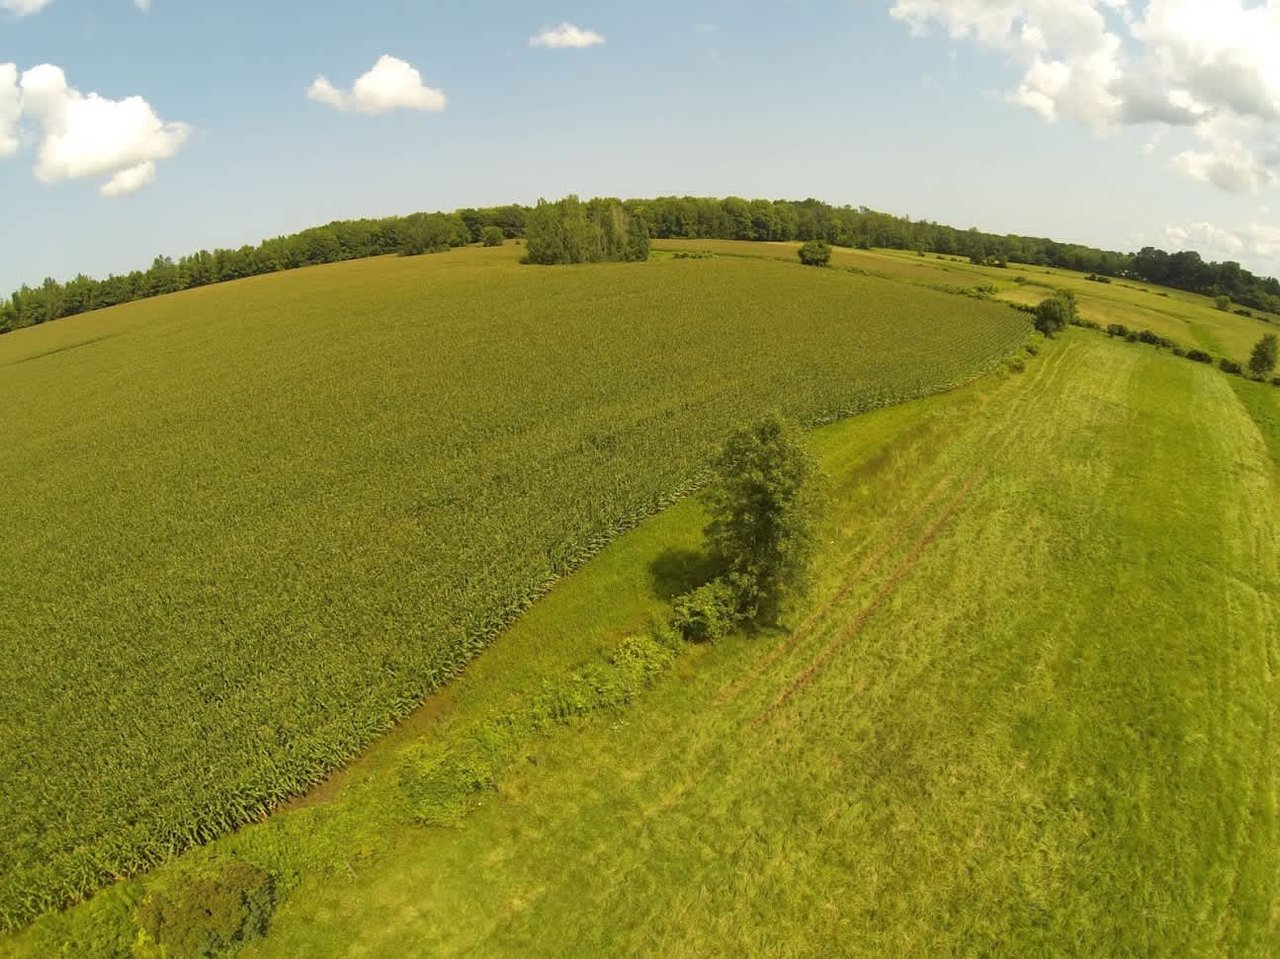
[
  {"x": 1056, "y": 313},
  {"x": 1199, "y": 356},
  {"x": 815, "y": 253},
  {"x": 492, "y": 236},
  {"x": 207, "y": 915},
  {"x": 1117, "y": 329},
  {"x": 1230, "y": 366},
  {"x": 707, "y": 613}
]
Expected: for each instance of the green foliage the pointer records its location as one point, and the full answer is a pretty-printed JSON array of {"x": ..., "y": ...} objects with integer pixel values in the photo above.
[
  {"x": 1056, "y": 313},
  {"x": 570, "y": 231},
  {"x": 443, "y": 779},
  {"x": 1263, "y": 358},
  {"x": 1230, "y": 366},
  {"x": 815, "y": 253},
  {"x": 492, "y": 236},
  {"x": 762, "y": 513},
  {"x": 730, "y": 218},
  {"x": 1199, "y": 356},
  {"x": 1222, "y": 302},
  {"x": 287, "y": 573},
  {"x": 428, "y": 233},
  {"x": 205, "y": 915},
  {"x": 707, "y": 613}
]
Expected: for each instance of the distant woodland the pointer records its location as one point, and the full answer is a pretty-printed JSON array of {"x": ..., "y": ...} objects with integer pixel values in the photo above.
[{"x": 574, "y": 231}]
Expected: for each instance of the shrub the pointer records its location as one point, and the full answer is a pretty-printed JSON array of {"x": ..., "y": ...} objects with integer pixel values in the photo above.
[
  {"x": 1117, "y": 329},
  {"x": 207, "y": 914},
  {"x": 1222, "y": 302},
  {"x": 1015, "y": 364},
  {"x": 492, "y": 236},
  {"x": 1098, "y": 278},
  {"x": 1230, "y": 366},
  {"x": 1263, "y": 358},
  {"x": 707, "y": 613},
  {"x": 815, "y": 253},
  {"x": 1243, "y": 312},
  {"x": 1179, "y": 351},
  {"x": 1155, "y": 339},
  {"x": 762, "y": 511},
  {"x": 1054, "y": 314},
  {"x": 1199, "y": 356},
  {"x": 1275, "y": 381}
]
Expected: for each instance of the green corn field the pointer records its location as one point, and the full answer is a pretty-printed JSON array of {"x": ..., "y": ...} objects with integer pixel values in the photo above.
[{"x": 248, "y": 527}]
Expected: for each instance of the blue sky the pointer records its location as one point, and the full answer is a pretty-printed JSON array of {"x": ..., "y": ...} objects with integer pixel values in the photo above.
[{"x": 924, "y": 107}]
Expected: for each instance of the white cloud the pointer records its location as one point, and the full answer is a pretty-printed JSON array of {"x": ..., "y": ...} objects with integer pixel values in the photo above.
[
  {"x": 1210, "y": 66},
  {"x": 131, "y": 180},
  {"x": 23, "y": 8},
  {"x": 392, "y": 84},
  {"x": 10, "y": 109},
  {"x": 1255, "y": 243},
  {"x": 88, "y": 135},
  {"x": 566, "y": 36}
]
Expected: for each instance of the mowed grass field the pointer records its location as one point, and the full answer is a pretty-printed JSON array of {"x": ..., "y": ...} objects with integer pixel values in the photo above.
[
  {"x": 248, "y": 527},
  {"x": 1028, "y": 709},
  {"x": 1188, "y": 319}
]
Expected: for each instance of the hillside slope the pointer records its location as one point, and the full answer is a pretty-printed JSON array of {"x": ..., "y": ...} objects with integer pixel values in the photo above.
[
  {"x": 249, "y": 526},
  {"x": 1030, "y": 710}
]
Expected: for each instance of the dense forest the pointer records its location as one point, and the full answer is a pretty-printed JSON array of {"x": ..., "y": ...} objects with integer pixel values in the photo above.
[
  {"x": 620, "y": 236},
  {"x": 570, "y": 231}
]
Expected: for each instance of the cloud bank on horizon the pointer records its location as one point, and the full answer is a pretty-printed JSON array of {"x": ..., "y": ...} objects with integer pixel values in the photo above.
[{"x": 1211, "y": 67}]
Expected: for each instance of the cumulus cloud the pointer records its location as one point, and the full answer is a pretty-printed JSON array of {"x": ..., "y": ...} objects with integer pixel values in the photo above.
[
  {"x": 1252, "y": 243},
  {"x": 10, "y": 109},
  {"x": 566, "y": 36},
  {"x": 131, "y": 180},
  {"x": 86, "y": 135},
  {"x": 392, "y": 84},
  {"x": 23, "y": 8},
  {"x": 1208, "y": 67}
]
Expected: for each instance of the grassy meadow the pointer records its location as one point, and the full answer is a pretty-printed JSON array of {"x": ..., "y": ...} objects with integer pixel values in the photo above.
[
  {"x": 1188, "y": 319},
  {"x": 250, "y": 526},
  {"x": 1028, "y": 709}
]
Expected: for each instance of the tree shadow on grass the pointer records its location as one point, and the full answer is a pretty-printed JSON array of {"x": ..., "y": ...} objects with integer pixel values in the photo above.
[{"x": 676, "y": 571}]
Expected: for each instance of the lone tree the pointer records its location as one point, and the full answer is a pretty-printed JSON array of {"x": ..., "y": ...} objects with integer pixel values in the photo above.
[
  {"x": 763, "y": 510},
  {"x": 1056, "y": 313},
  {"x": 492, "y": 236},
  {"x": 815, "y": 253},
  {"x": 1263, "y": 358},
  {"x": 1222, "y": 302}
]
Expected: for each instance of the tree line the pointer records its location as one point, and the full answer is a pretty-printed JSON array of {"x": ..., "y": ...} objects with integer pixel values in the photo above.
[{"x": 617, "y": 229}]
